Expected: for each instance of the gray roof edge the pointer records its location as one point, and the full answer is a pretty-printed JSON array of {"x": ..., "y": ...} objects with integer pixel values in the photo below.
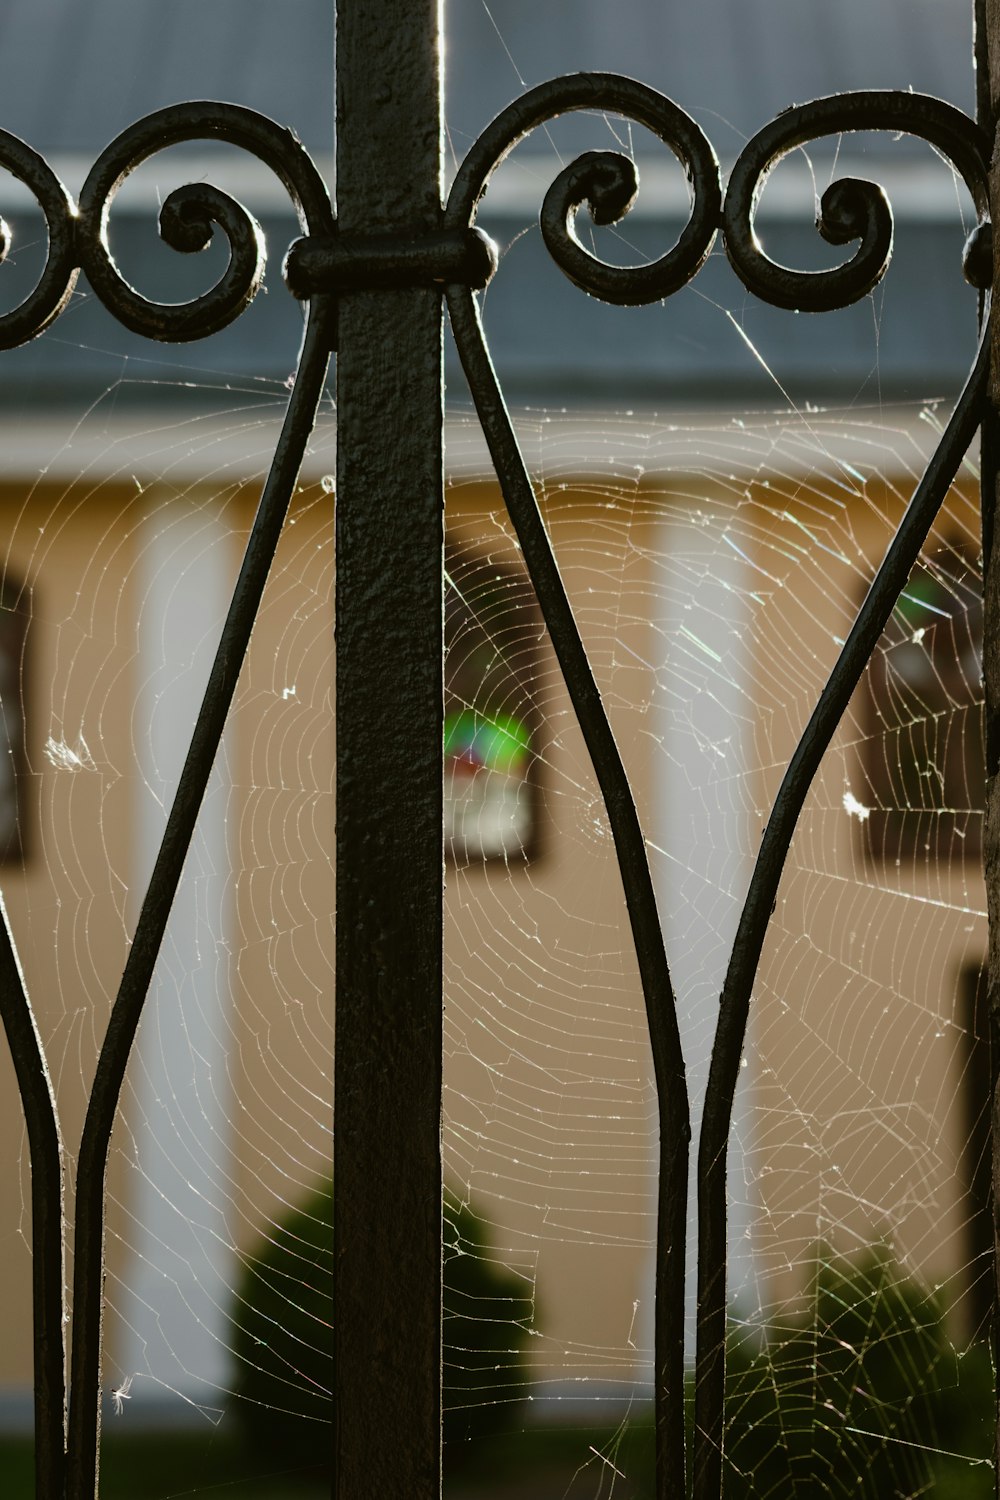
[{"x": 918, "y": 190}]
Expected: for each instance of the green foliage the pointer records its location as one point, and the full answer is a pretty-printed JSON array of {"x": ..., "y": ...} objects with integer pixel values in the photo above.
[
  {"x": 854, "y": 1398},
  {"x": 283, "y": 1336},
  {"x": 864, "y": 1395},
  {"x": 283, "y": 1340},
  {"x": 487, "y": 1313}
]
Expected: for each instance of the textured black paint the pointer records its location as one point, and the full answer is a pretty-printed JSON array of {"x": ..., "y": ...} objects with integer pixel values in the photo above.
[
  {"x": 385, "y": 260},
  {"x": 389, "y": 537}
]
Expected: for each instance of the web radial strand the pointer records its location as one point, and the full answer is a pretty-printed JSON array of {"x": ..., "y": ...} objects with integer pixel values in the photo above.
[
  {"x": 644, "y": 530},
  {"x": 88, "y": 1280}
]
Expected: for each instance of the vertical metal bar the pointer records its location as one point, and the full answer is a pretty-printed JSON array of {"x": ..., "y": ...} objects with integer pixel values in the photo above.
[
  {"x": 986, "y": 117},
  {"x": 987, "y": 59},
  {"x": 389, "y": 614},
  {"x": 47, "y": 1218}
]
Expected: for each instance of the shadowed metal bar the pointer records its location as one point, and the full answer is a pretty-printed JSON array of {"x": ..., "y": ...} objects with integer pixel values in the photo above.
[
  {"x": 630, "y": 846},
  {"x": 987, "y": 47},
  {"x": 730, "y": 1034},
  {"x": 606, "y": 181},
  {"x": 390, "y": 642},
  {"x": 850, "y": 209},
  {"x": 987, "y": 63},
  {"x": 48, "y": 1228},
  {"x": 88, "y": 1279}
]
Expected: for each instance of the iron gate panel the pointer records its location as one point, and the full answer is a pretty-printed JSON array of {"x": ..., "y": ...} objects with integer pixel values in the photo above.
[{"x": 376, "y": 275}]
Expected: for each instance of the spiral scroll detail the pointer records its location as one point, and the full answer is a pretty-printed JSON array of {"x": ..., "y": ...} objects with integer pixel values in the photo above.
[
  {"x": 851, "y": 208},
  {"x": 605, "y": 180},
  {"x": 79, "y": 235}
]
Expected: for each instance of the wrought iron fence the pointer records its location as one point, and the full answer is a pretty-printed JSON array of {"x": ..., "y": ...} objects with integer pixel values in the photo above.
[{"x": 376, "y": 273}]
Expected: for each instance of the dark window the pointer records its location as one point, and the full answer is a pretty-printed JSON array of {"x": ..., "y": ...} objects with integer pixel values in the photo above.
[
  {"x": 923, "y": 749},
  {"x": 491, "y": 722},
  {"x": 13, "y": 760},
  {"x": 976, "y": 1162}
]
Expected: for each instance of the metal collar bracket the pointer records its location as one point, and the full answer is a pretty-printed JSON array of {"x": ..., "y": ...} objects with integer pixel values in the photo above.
[{"x": 355, "y": 263}]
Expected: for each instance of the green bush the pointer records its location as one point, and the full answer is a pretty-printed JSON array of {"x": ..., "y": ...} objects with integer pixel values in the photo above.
[
  {"x": 487, "y": 1313},
  {"x": 855, "y": 1398},
  {"x": 864, "y": 1395},
  {"x": 283, "y": 1341}
]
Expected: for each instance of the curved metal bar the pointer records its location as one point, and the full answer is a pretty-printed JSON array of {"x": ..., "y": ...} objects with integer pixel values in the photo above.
[
  {"x": 188, "y": 215},
  {"x": 55, "y": 285},
  {"x": 84, "y": 1413},
  {"x": 605, "y": 180},
  {"x": 48, "y": 1268},
  {"x": 734, "y": 1005},
  {"x": 78, "y": 237},
  {"x": 850, "y": 209},
  {"x": 661, "y": 1010}
]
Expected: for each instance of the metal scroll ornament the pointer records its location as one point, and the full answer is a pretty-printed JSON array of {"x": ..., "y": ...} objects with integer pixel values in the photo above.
[{"x": 458, "y": 258}]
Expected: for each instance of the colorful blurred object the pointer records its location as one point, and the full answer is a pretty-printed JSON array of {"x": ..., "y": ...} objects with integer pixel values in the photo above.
[{"x": 474, "y": 741}]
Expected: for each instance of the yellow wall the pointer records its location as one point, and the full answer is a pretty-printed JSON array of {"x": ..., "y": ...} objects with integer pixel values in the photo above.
[
  {"x": 67, "y": 903},
  {"x": 550, "y": 1118}
]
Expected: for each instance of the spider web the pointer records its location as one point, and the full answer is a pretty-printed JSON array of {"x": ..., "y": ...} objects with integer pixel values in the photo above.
[
  {"x": 695, "y": 555},
  {"x": 715, "y": 563}
]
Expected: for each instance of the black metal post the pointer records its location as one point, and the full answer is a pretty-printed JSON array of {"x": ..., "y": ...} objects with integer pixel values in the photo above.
[
  {"x": 987, "y": 50},
  {"x": 389, "y": 538}
]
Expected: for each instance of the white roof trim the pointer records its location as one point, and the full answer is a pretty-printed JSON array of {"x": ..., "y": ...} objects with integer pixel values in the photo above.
[
  {"x": 919, "y": 190},
  {"x": 561, "y": 448}
]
